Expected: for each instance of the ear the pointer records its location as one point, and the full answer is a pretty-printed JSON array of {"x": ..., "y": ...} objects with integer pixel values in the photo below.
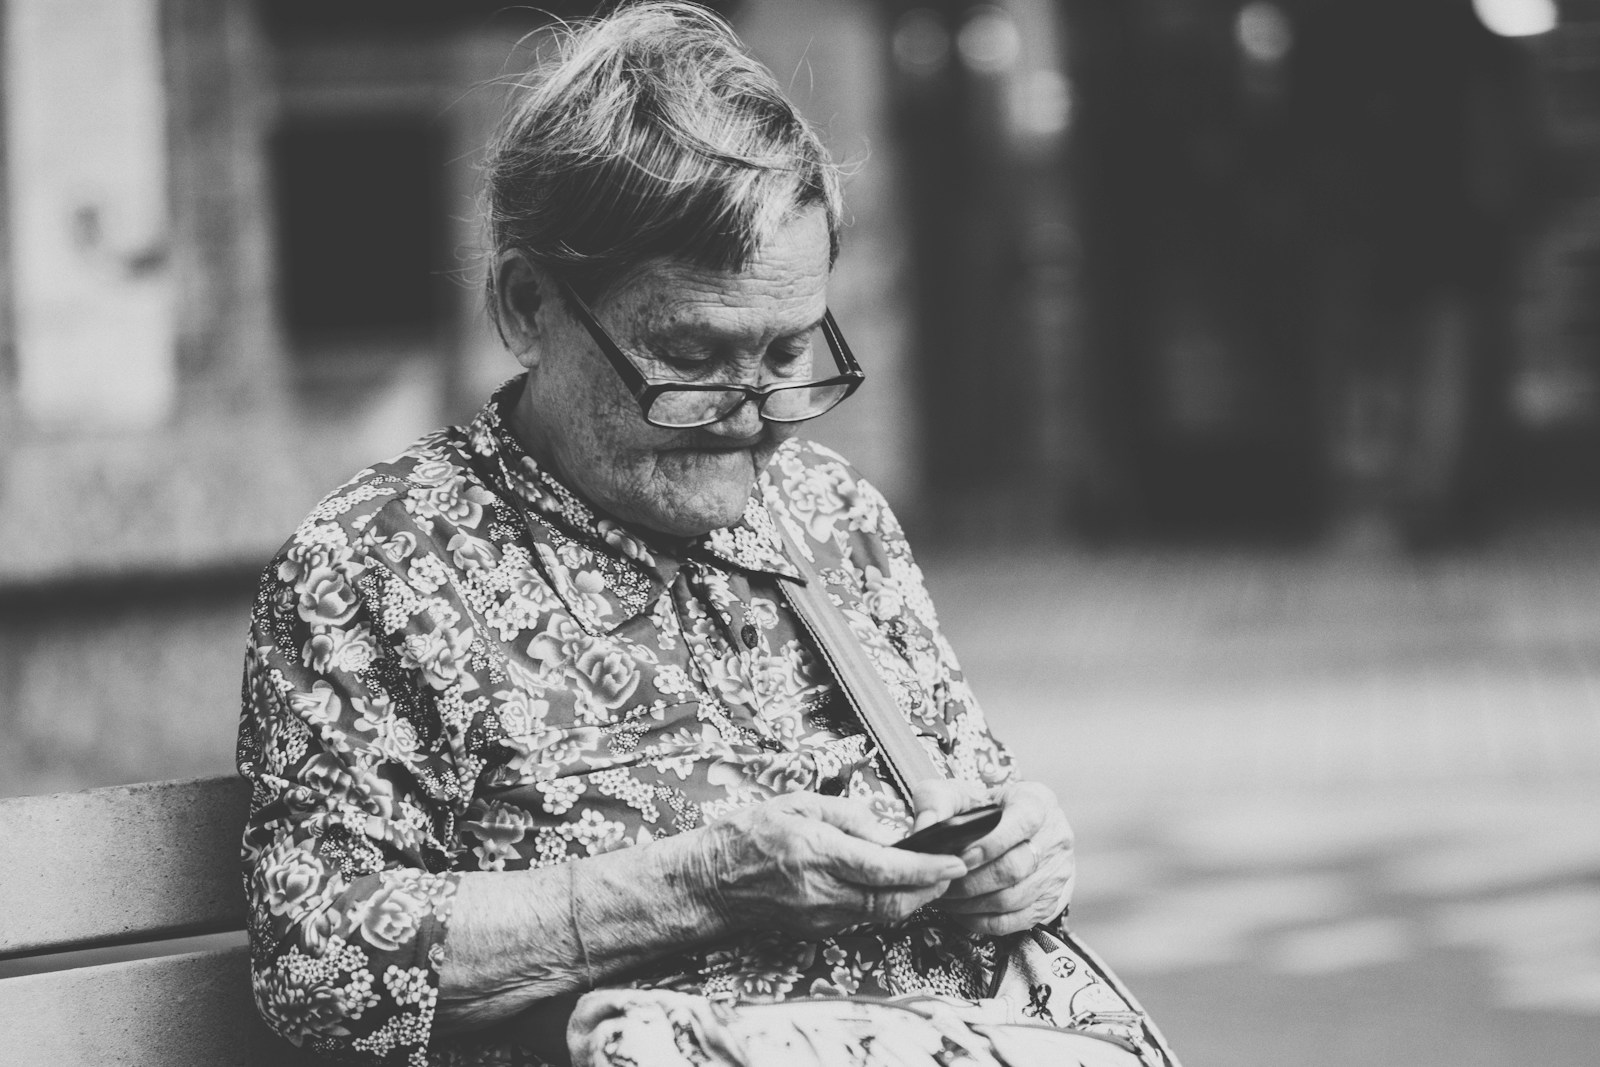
[{"x": 521, "y": 292}]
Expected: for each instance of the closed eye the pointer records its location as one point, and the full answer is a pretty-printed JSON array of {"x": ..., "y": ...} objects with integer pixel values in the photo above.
[
  {"x": 787, "y": 357},
  {"x": 685, "y": 365},
  {"x": 791, "y": 355}
]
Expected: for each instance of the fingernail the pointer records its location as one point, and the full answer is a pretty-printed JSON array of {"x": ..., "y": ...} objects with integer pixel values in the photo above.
[{"x": 972, "y": 857}]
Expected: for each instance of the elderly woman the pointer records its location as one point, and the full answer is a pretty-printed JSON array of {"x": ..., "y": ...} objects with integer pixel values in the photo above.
[{"x": 525, "y": 710}]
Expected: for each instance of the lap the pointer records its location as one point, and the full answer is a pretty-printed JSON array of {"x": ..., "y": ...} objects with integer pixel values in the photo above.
[{"x": 665, "y": 1029}]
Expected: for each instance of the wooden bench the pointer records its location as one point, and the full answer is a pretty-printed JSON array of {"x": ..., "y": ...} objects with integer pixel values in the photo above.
[{"x": 119, "y": 873}]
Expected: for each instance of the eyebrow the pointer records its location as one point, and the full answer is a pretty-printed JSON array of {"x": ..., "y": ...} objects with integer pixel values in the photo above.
[{"x": 689, "y": 329}]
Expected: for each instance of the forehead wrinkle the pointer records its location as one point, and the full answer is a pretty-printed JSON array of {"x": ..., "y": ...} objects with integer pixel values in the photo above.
[
  {"x": 780, "y": 291},
  {"x": 685, "y": 316}
]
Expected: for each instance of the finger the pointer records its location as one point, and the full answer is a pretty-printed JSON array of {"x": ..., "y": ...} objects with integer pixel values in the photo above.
[
  {"x": 1026, "y": 807},
  {"x": 865, "y": 864},
  {"x": 1008, "y": 870},
  {"x": 854, "y": 817},
  {"x": 896, "y": 904},
  {"x": 1042, "y": 896},
  {"x": 936, "y": 799},
  {"x": 1053, "y": 846},
  {"x": 1019, "y": 897},
  {"x": 1062, "y": 900},
  {"x": 996, "y": 925}
]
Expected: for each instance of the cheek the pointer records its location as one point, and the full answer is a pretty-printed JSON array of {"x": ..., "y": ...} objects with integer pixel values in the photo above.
[
  {"x": 596, "y": 405},
  {"x": 598, "y": 434},
  {"x": 616, "y": 444}
]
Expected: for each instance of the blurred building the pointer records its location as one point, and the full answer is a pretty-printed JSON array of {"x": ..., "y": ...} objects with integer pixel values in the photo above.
[
  {"x": 242, "y": 261},
  {"x": 1338, "y": 262},
  {"x": 244, "y": 258}
]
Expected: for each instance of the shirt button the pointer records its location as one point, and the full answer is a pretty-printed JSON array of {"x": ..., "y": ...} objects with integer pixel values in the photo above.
[{"x": 749, "y": 635}]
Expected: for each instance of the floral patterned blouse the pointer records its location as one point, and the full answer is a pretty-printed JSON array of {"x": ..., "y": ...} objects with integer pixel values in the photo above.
[{"x": 455, "y": 664}]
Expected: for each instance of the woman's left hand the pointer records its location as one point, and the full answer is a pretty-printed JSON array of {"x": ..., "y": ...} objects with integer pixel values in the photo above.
[{"x": 1022, "y": 872}]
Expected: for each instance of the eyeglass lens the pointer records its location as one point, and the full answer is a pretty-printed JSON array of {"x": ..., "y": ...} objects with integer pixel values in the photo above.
[{"x": 682, "y": 408}]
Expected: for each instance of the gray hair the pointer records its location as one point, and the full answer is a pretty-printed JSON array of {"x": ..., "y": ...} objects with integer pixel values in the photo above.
[{"x": 652, "y": 134}]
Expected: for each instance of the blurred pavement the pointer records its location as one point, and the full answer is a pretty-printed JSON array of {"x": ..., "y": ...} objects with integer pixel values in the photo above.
[{"x": 1332, "y": 809}]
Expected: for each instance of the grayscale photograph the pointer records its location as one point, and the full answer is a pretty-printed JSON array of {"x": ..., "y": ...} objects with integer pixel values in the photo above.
[{"x": 800, "y": 533}]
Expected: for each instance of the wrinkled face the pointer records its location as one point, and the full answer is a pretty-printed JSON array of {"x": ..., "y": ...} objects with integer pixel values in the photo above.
[{"x": 674, "y": 320}]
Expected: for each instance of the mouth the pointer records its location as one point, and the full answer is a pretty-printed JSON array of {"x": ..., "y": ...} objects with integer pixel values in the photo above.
[
  {"x": 723, "y": 449},
  {"x": 721, "y": 459},
  {"x": 717, "y": 457},
  {"x": 722, "y": 445}
]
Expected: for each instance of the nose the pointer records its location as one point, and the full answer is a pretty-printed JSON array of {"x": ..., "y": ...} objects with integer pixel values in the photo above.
[{"x": 743, "y": 421}]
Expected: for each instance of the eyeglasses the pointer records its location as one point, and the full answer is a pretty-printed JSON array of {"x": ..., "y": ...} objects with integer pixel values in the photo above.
[{"x": 676, "y": 405}]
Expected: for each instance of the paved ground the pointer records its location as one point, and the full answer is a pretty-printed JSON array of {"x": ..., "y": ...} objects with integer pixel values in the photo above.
[
  {"x": 1457, "y": 926},
  {"x": 1332, "y": 809}
]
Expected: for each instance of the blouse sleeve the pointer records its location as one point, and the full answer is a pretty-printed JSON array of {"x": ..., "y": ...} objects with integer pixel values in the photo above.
[{"x": 354, "y": 797}]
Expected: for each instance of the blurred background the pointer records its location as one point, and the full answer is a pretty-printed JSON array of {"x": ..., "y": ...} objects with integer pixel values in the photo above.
[{"x": 1234, "y": 365}]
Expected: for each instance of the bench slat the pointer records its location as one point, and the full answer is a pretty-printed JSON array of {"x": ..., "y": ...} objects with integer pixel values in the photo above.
[
  {"x": 132, "y": 863},
  {"x": 192, "y": 1010}
]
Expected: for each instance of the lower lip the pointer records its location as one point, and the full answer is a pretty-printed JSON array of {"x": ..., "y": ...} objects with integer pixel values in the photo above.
[
  {"x": 716, "y": 450},
  {"x": 718, "y": 456}
]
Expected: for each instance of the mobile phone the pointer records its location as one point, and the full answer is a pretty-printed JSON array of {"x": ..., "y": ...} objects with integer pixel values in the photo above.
[{"x": 952, "y": 836}]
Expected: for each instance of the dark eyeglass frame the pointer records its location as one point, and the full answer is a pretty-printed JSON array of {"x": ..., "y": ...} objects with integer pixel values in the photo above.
[{"x": 646, "y": 390}]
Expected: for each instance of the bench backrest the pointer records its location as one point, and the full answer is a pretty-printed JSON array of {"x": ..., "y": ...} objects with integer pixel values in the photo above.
[{"x": 117, "y": 874}]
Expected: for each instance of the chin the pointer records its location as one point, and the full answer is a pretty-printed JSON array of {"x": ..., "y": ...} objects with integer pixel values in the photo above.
[{"x": 700, "y": 514}]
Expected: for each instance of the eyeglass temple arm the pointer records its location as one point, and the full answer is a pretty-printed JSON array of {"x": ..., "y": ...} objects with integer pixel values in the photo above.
[
  {"x": 635, "y": 380},
  {"x": 841, "y": 349},
  {"x": 631, "y": 376}
]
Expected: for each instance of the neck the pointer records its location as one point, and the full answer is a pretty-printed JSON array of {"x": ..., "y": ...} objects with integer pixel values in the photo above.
[
  {"x": 523, "y": 422},
  {"x": 525, "y": 426}
]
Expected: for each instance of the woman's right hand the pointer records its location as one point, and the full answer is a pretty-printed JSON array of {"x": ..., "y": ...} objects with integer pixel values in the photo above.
[{"x": 812, "y": 865}]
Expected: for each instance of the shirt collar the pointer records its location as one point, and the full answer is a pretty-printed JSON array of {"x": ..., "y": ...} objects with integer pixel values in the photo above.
[{"x": 751, "y": 544}]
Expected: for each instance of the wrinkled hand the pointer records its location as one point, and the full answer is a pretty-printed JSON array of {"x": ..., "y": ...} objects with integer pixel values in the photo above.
[
  {"x": 1022, "y": 872},
  {"x": 813, "y": 865}
]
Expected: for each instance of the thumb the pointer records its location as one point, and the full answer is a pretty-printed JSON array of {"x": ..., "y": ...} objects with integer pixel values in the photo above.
[{"x": 936, "y": 799}]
